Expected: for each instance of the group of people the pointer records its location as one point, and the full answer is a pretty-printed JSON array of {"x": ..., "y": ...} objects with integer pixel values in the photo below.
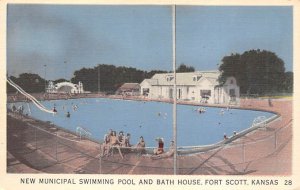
[
  {"x": 121, "y": 142},
  {"x": 159, "y": 151},
  {"x": 112, "y": 140},
  {"x": 20, "y": 109},
  {"x": 226, "y": 137},
  {"x": 68, "y": 114}
]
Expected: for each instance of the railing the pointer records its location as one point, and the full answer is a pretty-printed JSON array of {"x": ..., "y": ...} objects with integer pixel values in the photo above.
[
  {"x": 258, "y": 122},
  {"x": 55, "y": 147},
  {"x": 82, "y": 132}
]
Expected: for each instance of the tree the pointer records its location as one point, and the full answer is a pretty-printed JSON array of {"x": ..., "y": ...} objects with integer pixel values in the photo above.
[
  {"x": 9, "y": 88},
  {"x": 31, "y": 83},
  {"x": 256, "y": 71},
  {"x": 288, "y": 82},
  {"x": 88, "y": 77},
  {"x": 60, "y": 80},
  {"x": 185, "y": 69},
  {"x": 110, "y": 77},
  {"x": 153, "y": 72}
]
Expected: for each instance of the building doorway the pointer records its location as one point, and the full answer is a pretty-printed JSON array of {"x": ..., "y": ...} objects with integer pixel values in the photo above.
[{"x": 171, "y": 93}]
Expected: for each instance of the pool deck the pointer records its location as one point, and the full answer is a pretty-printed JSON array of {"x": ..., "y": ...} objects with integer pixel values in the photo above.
[{"x": 262, "y": 152}]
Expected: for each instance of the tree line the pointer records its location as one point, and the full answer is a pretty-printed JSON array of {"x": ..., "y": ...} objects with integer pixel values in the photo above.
[
  {"x": 257, "y": 72},
  {"x": 109, "y": 78}
]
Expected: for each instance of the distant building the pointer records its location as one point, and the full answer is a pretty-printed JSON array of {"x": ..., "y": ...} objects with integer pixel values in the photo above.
[
  {"x": 131, "y": 89},
  {"x": 195, "y": 86},
  {"x": 65, "y": 88}
]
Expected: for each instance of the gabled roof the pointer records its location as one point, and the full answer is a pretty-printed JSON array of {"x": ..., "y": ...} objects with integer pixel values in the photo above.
[
  {"x": 186, "y": 78},
  {"x": 130, "y": 86},
  {"x": 151, "y": 81}
]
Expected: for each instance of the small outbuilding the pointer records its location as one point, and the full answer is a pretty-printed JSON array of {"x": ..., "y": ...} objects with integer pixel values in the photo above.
[{"x": 129, "y": 89}]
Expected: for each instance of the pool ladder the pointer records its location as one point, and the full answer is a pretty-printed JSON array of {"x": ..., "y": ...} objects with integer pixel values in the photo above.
[{"x": 82, "y": 132}]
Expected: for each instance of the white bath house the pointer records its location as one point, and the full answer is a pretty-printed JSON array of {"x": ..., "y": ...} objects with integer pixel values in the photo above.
[{"x": 196, "y": 86}]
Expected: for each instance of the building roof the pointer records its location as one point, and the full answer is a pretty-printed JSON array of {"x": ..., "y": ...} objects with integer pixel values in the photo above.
[
  {"x": 191, "y": 78},
  {"x": 130, "y": 86},
  {"x": 151, "y": 81}
]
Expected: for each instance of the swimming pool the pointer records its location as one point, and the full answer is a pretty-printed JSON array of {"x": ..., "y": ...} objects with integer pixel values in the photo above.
[{"x": 147, "y": 119}]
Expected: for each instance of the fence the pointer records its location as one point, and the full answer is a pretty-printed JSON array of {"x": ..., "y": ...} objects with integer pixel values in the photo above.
[{"x": 52, "y": 150}]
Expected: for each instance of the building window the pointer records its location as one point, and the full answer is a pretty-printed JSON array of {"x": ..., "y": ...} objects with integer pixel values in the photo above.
[
  {"x": 205, "y": 93},
  {"x": 170, "y": 78},
  {"x": 146, "y": 91},
  {"x": 171, "y": 93},
  {"x": 232, "y": 95},
  {"x": 232, "y": 92},
  {"x": 179, "y": 93},
  {"x": 197, "y": 78}
]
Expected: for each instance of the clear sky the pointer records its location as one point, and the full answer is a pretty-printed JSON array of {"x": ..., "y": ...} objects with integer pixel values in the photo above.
[{"x": 66, "y": 38}]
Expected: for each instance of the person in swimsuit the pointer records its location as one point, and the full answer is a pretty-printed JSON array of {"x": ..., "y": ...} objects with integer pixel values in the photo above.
[
  {"x": 127, "y": 140},
  {"x": 167, "y": 154},
  {"x": 105, "y": 147},
  {"x": 140, "y": 146},
  {"x": 160, "y": 148},
  {"x": 114, "y": 143}
]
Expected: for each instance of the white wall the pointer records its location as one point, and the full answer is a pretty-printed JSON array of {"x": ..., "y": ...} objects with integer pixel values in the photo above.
[
  {"x": 143, "y": 85},
  {"x": 231, "y": 84},
  {"x": 204, "y": 84},
  {"x": 218, "y": 94}
]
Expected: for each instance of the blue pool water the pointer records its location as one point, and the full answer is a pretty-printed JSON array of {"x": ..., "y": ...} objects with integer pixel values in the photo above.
[{"x": 147, "y": 119}]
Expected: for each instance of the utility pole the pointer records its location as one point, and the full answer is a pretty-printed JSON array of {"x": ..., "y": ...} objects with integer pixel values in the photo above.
[
  {"x": 45, "y": 66},
  {"x": 175, "y": 88},
  {"x": 98, "y": 78},
  {"x": 65, "y": 63}
]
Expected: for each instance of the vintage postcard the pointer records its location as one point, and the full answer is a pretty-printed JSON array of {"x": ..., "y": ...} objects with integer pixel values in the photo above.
[{"x": 149, "y": 95}]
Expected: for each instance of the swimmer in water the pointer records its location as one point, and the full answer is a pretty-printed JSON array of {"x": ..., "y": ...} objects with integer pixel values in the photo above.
[
  {"x": 75, "y": 107},
  {"x": 54, "y": 110},
  {"x": 201, "y": 110},
  {"x": 68, "y": 114},
  {"x": 13, "y": 108},
  {"x": 165, "y": 116},
  {"x": 222, "y": 112}
]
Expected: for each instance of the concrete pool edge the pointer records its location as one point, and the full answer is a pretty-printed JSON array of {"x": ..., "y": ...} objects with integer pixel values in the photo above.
[
  {"x": 183, "y": 150},
  {"x": 274, "y": 162},
  {"x": 198, "y": 149}
]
